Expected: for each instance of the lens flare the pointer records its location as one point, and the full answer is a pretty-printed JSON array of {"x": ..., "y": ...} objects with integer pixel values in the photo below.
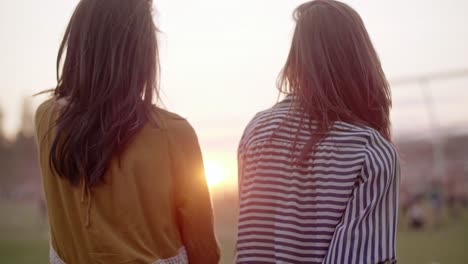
[{"x": 215, "y": 173}]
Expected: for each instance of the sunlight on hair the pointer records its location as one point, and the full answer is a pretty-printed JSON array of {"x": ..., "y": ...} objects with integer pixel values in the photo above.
[{"x": 215, "y": 173}]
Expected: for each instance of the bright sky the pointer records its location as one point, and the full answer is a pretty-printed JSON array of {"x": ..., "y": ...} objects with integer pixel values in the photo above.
[{"x": 220, "y": 59}]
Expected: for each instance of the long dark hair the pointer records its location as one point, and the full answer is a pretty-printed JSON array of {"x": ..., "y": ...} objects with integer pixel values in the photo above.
[
  {"x": 334, "y": 71},
  {"x": 108, "y": 78}
]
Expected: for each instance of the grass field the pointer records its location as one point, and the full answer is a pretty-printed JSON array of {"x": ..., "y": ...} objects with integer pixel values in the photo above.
[{"x": 23, "y": 239}]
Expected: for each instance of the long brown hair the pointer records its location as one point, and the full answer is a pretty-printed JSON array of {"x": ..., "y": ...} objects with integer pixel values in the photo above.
[
  {"x": 334, "y": 71},
  {"x": 109, "y": 80}
]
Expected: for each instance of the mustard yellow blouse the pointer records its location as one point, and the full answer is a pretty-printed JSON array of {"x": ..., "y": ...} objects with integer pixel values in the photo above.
[{"x": 154, "y": 206}]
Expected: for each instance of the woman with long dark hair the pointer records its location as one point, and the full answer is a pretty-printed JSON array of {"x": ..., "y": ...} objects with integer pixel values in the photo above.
[
  {"x": 318, "y": 174},
  {"x": 123, "y": 179}
]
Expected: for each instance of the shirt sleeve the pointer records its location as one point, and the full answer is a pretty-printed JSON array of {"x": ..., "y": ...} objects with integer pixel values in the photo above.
[
  {"x": 194, "y": 209},
  {"x": 240, "y": 163},
  {"x": 367, "y": 231},
  {"x": 241, "y": 151}
]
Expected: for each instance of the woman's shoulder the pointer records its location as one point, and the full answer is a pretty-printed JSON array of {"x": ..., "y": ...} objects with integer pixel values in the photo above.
[
  {"x": 45, "y": 106},
  {"x": 371, "y": 137},
  {"x": 375, "y": 145},
  {"x": 380, "y": 151},
  {"x": 43, "y": 111},
  {"x": 166, "y": 115},
  {"x": 173, "y": 123},
  {"x": 380, "y": 145},
  {"x": 180, "y": 134}
]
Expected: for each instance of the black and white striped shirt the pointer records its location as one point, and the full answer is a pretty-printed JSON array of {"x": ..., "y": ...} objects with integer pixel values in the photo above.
[{"x": 340, "y": 207}]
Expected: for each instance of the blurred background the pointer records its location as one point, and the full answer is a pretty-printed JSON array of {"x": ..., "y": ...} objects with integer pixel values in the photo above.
[{"x": 220, "y": 60}]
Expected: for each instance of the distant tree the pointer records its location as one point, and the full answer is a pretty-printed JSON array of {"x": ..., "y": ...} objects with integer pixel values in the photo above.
[
  {"x": 6, "y": 175},
  {"x": 27, "y": 118},
  {"x": 2, "y": 131},
  {"x": 19, "y": 173},
  {"x": 26, "y": 163}
]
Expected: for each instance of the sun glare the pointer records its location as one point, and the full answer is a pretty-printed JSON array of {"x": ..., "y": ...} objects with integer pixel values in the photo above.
[{"x": 215, "y": 173}]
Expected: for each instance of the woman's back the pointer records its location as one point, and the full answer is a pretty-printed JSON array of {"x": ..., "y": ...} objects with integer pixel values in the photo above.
[
  {"x": 141, "y": 212},
  {"x": 123, "y": 180},
  {"x": 318, "y": 174},
  {"x": 338, "y": 206}
]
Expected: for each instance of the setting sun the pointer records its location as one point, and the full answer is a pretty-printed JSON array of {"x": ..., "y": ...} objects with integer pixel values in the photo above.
[{"x": 215, "y": 173}]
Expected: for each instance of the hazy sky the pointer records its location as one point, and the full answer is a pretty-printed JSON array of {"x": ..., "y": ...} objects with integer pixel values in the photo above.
[{"x": 220, "y": 58}]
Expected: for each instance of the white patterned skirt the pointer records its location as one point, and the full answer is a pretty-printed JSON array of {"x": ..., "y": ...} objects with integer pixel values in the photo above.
[{"x": 180, "y": 258}]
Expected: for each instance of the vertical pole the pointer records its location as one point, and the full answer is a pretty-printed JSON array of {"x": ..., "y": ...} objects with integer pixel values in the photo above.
[{"x": 438, "y": 154}]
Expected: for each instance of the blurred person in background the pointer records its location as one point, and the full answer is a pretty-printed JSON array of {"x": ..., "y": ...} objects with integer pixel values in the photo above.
[
  {"x": 123, "y": 178},
  {"x": 406, "y": 199},
  {"x": 318, "y": 174},
  {"x": 416, "y": 213},
  {"x": 452, "y": 197},
  {"x": 463, "y": 189},
  {"x": 435, "y": 199}
]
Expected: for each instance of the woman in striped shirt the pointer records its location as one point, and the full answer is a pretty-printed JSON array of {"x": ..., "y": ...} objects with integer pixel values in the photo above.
[{"x": 318, "y": 174}]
